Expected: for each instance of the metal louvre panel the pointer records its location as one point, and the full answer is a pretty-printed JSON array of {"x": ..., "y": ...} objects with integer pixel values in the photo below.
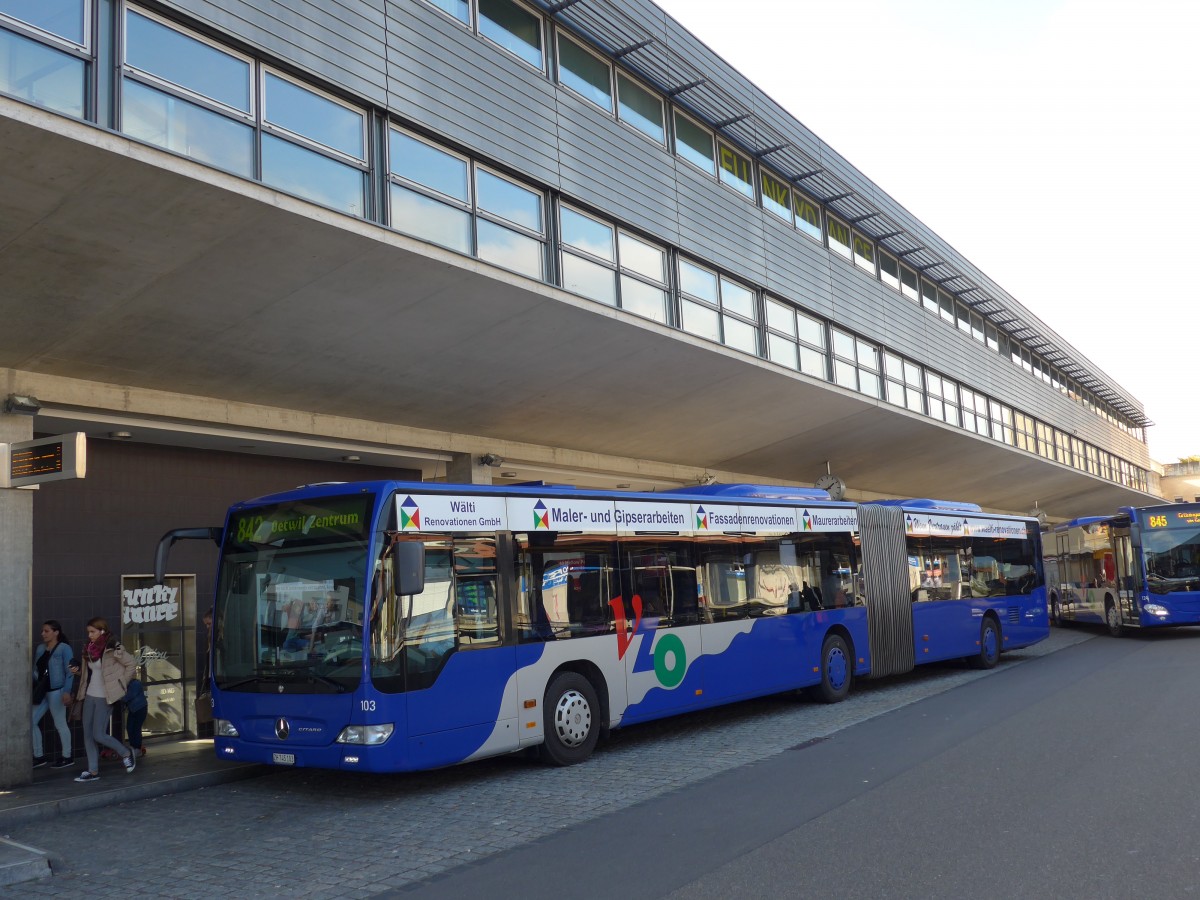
[{"x": 889, "y": 601}]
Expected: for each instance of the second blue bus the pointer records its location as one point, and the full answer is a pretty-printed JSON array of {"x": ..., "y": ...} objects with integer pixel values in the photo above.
[{"x": 1138, "y": 568}]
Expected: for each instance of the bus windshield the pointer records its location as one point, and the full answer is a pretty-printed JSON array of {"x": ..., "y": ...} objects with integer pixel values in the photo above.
[
  {"x": 1172, "y": 560},
  {"x": 289, "y": 610}
]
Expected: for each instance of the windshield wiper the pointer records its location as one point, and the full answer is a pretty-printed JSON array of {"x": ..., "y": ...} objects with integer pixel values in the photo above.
[
  {"x": 251, "y": 680},
  {"x": 281, "y": 676},
  {"x": 341, "y": 689}
]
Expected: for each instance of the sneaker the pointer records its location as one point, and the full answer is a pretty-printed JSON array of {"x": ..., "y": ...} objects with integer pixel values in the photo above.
[
  {"x": 130, "y": 763},
  {"x": 87, "y": 776},
  {"x": 142, "y": 751},
  {"x": 63, "y": 764},
  {"x": 39, "y": 761}
]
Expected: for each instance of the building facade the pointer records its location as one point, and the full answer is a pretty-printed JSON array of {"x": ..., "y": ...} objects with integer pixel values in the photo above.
[
  {"x": 1180, "y": 482},
  {"x": 477, "y": 240}
]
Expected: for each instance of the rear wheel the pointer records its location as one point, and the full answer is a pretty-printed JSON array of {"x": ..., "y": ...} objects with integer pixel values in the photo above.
[
  {"x": 569, "y": 717},
  {"x": 837, "y": 671},
  {"x": 1056, "y": 612},
  {"x": 1112, "y": 616},
  {"x": 989, "y": 645}
]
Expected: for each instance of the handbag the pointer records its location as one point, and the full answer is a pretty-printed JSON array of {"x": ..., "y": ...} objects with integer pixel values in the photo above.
[
  {"x": 77, "y": 710},
  {"x": 41, "y": 687}
]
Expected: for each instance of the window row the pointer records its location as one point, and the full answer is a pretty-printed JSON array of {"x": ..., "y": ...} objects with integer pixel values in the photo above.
[
  {"x": 574, "y": 586},
  {"x": 595, "y": 79},
  {"x": 187, "y": 94}
]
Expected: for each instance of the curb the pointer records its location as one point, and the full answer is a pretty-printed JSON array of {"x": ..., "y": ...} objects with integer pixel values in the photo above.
[
  {"x": 19, "y": 863},
  {"x": 94, "y": 799}
]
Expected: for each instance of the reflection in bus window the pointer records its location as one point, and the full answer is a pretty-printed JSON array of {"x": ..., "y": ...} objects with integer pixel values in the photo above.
[
  {"x": 773, "y": 576},
  {"x": 565, "y": 587},
  {"x": 411, "y": 637},
  {"x": 663, "y": 577}
]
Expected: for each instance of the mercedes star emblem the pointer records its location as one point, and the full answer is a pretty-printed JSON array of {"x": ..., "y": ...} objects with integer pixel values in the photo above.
[{"x": 281, "y": 728}]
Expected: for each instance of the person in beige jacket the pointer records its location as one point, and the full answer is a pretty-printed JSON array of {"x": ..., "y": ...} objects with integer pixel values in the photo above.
[{"x": 103, "y": 679}]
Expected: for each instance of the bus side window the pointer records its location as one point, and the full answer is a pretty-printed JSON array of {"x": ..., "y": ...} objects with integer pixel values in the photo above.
[{"x": 564, "y": 591}]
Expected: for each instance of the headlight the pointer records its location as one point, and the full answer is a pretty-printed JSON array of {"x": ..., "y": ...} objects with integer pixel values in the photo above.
[
  {"x": 1156, "y": 609},
  {"x": 224, "y": 728},
  {"x": 365, "y": 734}
]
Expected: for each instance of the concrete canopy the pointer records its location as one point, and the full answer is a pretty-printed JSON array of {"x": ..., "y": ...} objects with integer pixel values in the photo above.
[{"x": 124, "y": 265}]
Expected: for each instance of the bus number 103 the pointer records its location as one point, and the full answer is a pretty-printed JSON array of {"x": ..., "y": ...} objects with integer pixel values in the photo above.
[{"x": 367, "y": 705}]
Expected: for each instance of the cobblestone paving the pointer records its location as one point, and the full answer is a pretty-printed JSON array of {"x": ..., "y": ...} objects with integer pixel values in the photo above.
[{"x": 315, "y": 834}]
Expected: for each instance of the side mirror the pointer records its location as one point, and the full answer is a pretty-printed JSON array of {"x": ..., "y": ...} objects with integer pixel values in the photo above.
[{"x": 408, "y": 568}]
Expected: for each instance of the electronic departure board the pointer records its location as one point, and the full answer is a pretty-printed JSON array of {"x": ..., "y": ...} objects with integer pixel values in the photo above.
[{"x": 44, "y": 459}]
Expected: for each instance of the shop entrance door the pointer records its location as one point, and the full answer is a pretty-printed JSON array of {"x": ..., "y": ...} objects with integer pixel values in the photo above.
[{"x": 158, "y": 627}]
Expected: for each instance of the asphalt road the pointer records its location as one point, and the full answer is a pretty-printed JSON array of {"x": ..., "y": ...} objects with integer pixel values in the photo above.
[
  {"x": 1062, "y": 773},
  {"x": 1070, "y": 777}
]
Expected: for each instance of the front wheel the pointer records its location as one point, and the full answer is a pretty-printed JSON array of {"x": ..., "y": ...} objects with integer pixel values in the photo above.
[
  {"x": 837, "y": 671},
  {"x": 1112, "y": 617},
  {"x": 569, "y": 717},
  {"x": 989, "y": 645},
  {"x": 1056, "y": 612}
]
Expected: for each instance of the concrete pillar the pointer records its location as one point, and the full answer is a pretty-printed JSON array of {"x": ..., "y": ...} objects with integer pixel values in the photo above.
[
  {"x": 16, "y": 624},
  {"x": 466, "y": 468}
]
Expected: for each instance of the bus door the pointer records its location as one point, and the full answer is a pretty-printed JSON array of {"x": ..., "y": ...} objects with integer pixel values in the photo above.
[
  {"x": 662, "y": 670},
  {"x": 457, "y": 665},
  {"x": 1127, "y": 576}
]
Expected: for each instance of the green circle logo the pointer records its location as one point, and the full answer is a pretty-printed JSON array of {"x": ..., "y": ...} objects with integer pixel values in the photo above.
[{"x": 670, "y": 676}]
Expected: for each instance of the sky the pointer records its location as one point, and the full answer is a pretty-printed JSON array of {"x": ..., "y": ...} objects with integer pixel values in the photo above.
[{"x": 1051, "y": 142}]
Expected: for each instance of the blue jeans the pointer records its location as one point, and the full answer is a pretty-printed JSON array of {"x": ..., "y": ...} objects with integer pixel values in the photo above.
[{"x": 58, "y": 712}]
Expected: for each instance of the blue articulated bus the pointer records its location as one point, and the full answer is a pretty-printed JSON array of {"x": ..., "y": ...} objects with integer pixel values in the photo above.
[
  {"x": 1139, "y": 568},
  {"x": 392, "y": 626}
]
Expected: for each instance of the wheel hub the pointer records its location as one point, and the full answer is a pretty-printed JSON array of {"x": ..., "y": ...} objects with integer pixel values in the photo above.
[{"x": 572, "y": 718}]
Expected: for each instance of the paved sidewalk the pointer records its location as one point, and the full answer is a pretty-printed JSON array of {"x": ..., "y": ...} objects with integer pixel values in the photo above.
[{"x": 169, "y": 767}]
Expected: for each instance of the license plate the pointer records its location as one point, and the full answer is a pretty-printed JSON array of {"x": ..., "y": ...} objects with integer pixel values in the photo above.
[{"x": 283, "y": 759}]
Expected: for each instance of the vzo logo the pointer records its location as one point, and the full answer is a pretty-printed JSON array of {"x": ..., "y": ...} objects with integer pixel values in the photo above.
[{"x": 668, "y": 658}]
